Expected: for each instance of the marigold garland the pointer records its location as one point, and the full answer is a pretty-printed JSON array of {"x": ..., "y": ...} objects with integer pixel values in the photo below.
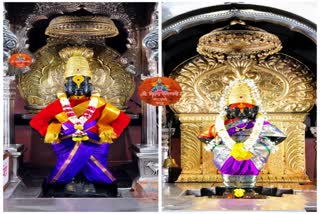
[{"x": 78, "y": 123}]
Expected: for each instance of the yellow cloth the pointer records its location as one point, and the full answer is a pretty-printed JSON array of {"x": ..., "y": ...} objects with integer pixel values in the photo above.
[
  {"x": 108, "y": 115},
  {"x": 239, "y": 153}
]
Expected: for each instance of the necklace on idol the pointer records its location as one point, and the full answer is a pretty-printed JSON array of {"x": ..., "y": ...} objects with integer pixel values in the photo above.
[
  {"x": 78, "y": 122},
  {"x": 229, "y": 142}
]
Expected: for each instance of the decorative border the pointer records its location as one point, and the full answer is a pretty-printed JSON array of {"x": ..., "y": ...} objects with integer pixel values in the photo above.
[{"x": 248, "y": 14}]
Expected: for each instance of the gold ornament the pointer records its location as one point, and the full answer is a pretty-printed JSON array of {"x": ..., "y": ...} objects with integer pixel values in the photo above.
[
  {"x": 78, "y": 79},
  {"x": 90, "y": 27},
  {"x": 240, "y": 93},
  {"x": 77, "y": 63},
  {"x": 238, "y": 40}
]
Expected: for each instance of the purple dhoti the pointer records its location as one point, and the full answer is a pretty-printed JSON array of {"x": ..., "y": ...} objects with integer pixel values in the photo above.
[
  {"x": 86, "y": 157},
  {"x": 240, "y": 131},
  {"x": 235, "y": 167}
]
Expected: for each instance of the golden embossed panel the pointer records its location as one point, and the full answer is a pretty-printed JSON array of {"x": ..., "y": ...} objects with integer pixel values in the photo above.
[
  {"x": 285, "y": 84},
  {"x": 287, "y": 165}
]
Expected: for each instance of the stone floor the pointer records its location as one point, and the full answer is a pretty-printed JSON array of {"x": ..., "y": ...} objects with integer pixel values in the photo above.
[
  {"x": 175, "y": 198},
  {"x": 24, "y": 196}
]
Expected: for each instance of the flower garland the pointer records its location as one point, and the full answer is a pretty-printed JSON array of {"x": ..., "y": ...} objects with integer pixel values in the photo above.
[
  {"x": 78, "y": 123},
  {"x": 260, "y": 118},
  {"x": 229, "y": 142}
]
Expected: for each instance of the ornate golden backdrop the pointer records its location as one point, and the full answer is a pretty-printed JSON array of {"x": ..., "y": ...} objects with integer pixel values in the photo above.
[
  {"x": 285, "y": 84},
  {"x": 39, "y": 86},
  {"x": 287, "y": 89}
]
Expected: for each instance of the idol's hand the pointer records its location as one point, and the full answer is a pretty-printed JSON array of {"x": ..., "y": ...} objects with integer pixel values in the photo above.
[
  {"x": 52, "y": 135},
  {"x": 52, "y": 138},
  {"x": 107, "y": 134}
]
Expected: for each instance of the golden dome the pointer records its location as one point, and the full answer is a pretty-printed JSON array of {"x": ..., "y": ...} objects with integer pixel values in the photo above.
[
  {"x": 82, "y": 26},
  {"x": 238, "y": 39}
]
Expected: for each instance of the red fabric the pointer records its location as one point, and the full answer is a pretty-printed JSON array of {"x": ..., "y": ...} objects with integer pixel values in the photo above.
[
  {"x": 120, "y": 123},
  {"x": 41, "y": 121}
]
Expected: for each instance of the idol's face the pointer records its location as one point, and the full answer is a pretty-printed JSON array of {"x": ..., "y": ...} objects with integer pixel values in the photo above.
[
  {"x": 246, "y": 112},
  {"x": 78, "y": 86}
]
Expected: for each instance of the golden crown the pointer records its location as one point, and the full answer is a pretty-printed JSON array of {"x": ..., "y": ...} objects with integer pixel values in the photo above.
[
  {"x": 240, "y": 92},
  {"x": 76, "y": 59}
]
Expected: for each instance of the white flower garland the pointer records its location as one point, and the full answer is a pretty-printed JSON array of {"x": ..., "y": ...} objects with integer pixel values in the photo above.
[
  {"x": 261, "y": 117},
  {"x": 229, "y": 142},
  {"x": 79, "y": 122}
]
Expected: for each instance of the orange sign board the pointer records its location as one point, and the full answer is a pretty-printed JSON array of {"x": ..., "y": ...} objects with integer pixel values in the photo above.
[
  {"x": 160, "y": 91},
  {"x": 20, "y": 60}
]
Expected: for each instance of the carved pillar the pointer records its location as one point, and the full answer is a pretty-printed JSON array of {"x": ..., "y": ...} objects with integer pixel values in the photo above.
[
  {"x": 149, "y": 124},
  {"x": 147, "y": 151},
  {"x": 9, "y": 43},
  {"x": 9, "y": 93}
]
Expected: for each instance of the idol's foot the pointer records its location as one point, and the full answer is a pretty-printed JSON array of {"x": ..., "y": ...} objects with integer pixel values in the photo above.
[
  {"x": 107, "y": 190},
  {"x": 76, "y": 189},
  {"x": 52, "y": 190}
]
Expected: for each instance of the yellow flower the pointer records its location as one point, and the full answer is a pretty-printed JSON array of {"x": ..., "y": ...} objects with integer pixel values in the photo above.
[
  {"x": 239, "y": 153},
  {"x": 78, "y": 127},
  {"x": 76, "y": 138},
  {"x": 84, "y": 138},
  {"x": 239, "y": 192}
]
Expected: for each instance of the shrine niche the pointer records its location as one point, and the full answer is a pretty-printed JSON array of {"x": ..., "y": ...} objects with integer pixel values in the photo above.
[
  {"x": 111, "y": 80},
  {"x": 70, "y": 52},
  {"x": 287, "y": 89}
]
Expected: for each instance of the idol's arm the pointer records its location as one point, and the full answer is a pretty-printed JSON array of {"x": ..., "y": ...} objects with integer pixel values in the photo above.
[
  {"x": 273, "y": 133},
  {"x": 120, "y": 123},
  {"x": 41, "y": 121}
]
